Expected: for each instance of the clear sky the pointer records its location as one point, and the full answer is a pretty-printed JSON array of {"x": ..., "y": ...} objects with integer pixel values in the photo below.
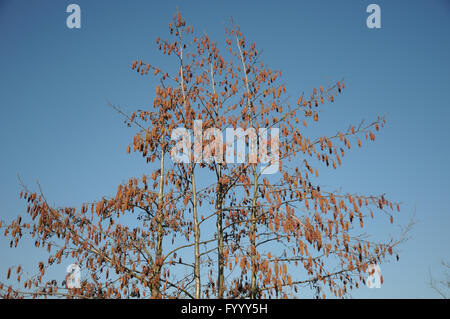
[{"x": 56, "y": 127}]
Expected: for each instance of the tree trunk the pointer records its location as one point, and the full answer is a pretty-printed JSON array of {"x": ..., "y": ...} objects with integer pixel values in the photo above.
[
  {"x": 156, "y": 293},
  {"x": 197, "y": 240},
  {"x": 253, "y": 286},
  {"x": 219, "y": 226}
]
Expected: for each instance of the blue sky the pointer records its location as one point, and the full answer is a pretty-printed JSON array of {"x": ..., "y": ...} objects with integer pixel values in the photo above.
[{"x": 56, "y": 127}]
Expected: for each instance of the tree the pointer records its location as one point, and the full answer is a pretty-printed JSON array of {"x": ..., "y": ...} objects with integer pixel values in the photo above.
[
  {"x": 272, "y": 233},
  {"x": 441, "y": 286}
]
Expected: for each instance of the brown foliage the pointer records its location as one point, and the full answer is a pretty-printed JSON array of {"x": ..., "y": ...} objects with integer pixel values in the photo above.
[{"x": 271, "y": 234}]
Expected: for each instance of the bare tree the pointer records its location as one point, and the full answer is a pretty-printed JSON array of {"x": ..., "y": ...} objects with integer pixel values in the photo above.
[{"x": 441, "y": 286}]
